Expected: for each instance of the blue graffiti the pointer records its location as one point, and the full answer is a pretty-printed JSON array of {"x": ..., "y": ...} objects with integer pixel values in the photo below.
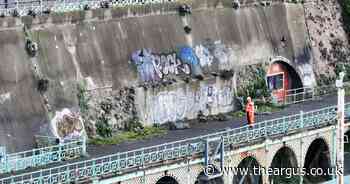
[
  {"x": 187, "y": 55},
  {"x": 144, "y": 61}
]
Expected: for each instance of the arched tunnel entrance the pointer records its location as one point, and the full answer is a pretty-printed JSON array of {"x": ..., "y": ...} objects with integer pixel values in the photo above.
[
  {"x": 317, "y": 163},
  {"x": 167, "y": 180},
  {"x": 347, "y": 153},
  {"x": 283, "y": 167},
  {"x": 201, "y": 180},
  {"x": 281, "y": 77},
  {"x": 247, "y": 172}
]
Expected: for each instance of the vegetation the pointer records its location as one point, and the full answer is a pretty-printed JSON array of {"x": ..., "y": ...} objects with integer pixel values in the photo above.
[
  {"x": 346, "y": 14},
  {"x": 146, "y": 132},
  {"x": 43, "y": 85},
  {"x": 103, "y": 128},
  {"x": 238, "y": 114},
  {"x": 267, "y": 107},
  {"x": 82, "y": 98},
  {"x": 257, "y": 88},
  {"x": 260, "y": 108}
]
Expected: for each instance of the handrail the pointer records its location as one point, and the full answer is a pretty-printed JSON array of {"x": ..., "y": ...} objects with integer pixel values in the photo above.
[
  {"x": 42, "y": 156},
  {"x": 38, "y": 7},
  {"x": 119, "y": 162},
  {"x": 298, "y": 95}
]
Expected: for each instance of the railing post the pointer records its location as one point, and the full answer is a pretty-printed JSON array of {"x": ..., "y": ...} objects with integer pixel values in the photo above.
[
  {"x": 41, "y": 7},
  {"x": 340, "y": 130},
  {"x": 59, "y": 151},
  {"x": 301, "y": 119},
  {"x": 84, "y": 153}
]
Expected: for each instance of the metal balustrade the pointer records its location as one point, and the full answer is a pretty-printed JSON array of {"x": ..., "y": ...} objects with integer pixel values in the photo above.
[
  {"x": 117, "y": 163},
  {"x": 298, "y": 95},
  {"x": 37, "y": 7},
  {"x": 42, "y": 156}
]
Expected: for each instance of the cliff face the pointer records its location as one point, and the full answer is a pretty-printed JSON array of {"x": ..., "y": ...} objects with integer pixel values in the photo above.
[
  {"x": 328, "y": 38},
  {"x": 97, "y": 47}
]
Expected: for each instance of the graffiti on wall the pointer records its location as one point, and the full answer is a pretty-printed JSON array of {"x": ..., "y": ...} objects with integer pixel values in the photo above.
[
  {"x": 189, "y": 61},
  {"x": 153, "y": 67},
  {"x": 176, "y": 105}
]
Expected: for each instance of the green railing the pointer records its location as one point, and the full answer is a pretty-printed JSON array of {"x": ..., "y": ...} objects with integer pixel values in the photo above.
[
  {"x": 42, "y": 156},
  {"x": 115, "y": 164}
]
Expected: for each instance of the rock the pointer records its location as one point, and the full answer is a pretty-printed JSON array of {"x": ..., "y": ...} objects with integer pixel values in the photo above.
[{"x": 178, "y": 125}]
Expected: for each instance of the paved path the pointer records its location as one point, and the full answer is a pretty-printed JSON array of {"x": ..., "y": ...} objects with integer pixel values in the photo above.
[{"x": 196, "y": 129}]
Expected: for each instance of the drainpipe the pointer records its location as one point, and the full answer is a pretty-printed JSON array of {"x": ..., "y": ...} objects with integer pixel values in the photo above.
[{"x": 340, "y": 130}]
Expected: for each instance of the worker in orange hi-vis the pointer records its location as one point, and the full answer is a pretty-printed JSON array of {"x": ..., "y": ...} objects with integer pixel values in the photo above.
[{"x": 249, "y": 109}]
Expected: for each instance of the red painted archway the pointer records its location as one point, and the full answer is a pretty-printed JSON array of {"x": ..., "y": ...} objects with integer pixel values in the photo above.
[{"x": 280, "y": 78}]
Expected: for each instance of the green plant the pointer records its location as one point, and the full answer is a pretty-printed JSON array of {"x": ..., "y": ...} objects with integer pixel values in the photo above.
[
  {"x": 238, "y": 114},
  {"x": 82, "y": 98},
  {"x": 146, "y": 132},
  {"x": 256, "y": 88},
  {"x": 102, "y": 127},
  {"x": 133, "y": 125},
  {"x": 43, "y": 85}
]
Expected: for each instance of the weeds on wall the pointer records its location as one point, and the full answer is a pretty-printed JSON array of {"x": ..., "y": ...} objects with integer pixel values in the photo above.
[
  {"x": 145, "y": 133},
  {"x": 257, "y": 88},
  {"x": 103, "y": 129},
  {"x": 82, "y": 97}
]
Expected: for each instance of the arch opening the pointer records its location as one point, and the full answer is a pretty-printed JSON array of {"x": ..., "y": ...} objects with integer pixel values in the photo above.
[
  {"x": 347, "y": 153},
  {"x": 284, "y": 167},
  {"x": 317, "y": 163},
  {"x": 247, "y": 172},
  {"x": 167, "y": 180},
  {"x": 201, "y": 179},
  {"x": 282, "y": 77}
]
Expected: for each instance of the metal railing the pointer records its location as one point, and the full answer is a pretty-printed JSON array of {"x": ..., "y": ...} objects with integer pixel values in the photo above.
[
  {"x": 298, "y": 95},
  {"x": 42, "y": 156},
  {"x": 117, "y": 163},
  {"x": 38, "y": 7}
]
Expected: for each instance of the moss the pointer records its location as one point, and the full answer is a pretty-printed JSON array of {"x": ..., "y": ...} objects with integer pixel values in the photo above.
[
  {"x": 238, "y": 114},
  {"x": 145, "y": 133}
]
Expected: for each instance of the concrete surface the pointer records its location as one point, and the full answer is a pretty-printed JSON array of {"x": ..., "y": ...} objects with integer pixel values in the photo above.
[{"x": 98, "y": 44}]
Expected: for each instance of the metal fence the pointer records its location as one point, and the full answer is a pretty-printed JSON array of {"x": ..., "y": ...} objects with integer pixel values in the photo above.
[
  {"x": 37, "y": 7},
  {"x": 298, "y": 95},
  {"x": 42, "y": 156},
  {"x": 117, "y": 163}
]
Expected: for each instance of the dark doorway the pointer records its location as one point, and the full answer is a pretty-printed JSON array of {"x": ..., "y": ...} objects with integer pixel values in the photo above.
[
  {"x": 318, "y": 159},
  {"x": 245, "y": 172},
  {"x": 201, "y": 180},
  {"x": 167, "y": 180},
  {"x": 283, "y": 167}
]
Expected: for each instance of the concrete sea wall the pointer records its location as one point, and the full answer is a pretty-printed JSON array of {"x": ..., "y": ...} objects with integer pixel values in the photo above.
[{"x": 97, "y": 46}]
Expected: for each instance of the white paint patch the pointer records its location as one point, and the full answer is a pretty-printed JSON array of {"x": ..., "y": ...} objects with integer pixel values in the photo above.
[
  {"x": 307, "y": 74},
  {"x": 90, "y": 85},
  {"x": 204, "y": 56},
  {"x": 5, "y": 97},
  {"x": 177, "y": 104},
  {"x": 71, "y": 131}
]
